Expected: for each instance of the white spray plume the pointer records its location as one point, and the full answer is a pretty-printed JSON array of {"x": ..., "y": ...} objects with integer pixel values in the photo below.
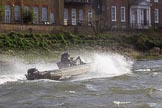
[
  {"x": 112, "y": 64},
  {"x": 108, "y": 65}
]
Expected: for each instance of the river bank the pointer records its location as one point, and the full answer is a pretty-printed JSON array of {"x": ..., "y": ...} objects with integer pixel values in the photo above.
[{"x": 28, "y": 45}]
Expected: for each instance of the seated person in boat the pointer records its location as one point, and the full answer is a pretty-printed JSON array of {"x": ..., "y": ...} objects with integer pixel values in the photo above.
[
  {"x": 66, "y": 62},
  {"x": 65, "y": 58}
]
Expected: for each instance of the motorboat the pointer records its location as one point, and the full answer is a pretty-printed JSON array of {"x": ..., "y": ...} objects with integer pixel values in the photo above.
[{"x": 65, "y": 70}]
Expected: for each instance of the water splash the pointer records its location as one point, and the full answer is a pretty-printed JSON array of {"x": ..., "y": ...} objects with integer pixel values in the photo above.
[
  {"x": 15, "y": 71},
  {"x": 108, "y": 65},
  {"x": 112, "y": 64}
]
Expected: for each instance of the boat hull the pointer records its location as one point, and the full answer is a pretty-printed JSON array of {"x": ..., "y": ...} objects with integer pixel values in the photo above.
[{"x": 58, "y": 74}]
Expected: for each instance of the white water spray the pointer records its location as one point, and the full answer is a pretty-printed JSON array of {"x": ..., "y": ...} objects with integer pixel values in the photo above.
[
  {"x": 108, "y": 65},
  {"x": 13, "y": 71},
  {"x": 112, "y": 65},
  {"x": 16, "y": 70}
]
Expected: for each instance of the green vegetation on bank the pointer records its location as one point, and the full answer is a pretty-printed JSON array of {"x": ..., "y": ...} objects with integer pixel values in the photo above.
[
  {"x": 61, "y": 41},
  {"x": 149, "y": 44}
]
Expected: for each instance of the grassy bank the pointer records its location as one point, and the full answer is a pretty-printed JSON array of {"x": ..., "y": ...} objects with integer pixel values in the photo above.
[{"x": 138, "y": 45}]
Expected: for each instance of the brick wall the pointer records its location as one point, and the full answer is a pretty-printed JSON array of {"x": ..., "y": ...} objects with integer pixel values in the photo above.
[
  {"x": 45, "y": 29},
  {"x": 107, "y": 13}
]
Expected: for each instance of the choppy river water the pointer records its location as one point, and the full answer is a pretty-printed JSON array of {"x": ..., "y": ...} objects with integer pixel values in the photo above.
[{"x": 117, "y": 82}]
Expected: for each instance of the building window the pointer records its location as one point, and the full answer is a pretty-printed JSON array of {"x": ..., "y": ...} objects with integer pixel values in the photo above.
[
  {"x": 156, "y": 15},
  {"x": 73, "y": 16},
  {"x": 81, "y": 16},
  {"x": 7, "y": 14},
  {"x": 66, "y": 16},
  {"x": 122, "y": 14},
  {"x": 17, "y": 13},
  {"x": 156, "y": 0},
  {"x": 26, "y": 8},
  {"x": 36, "y": 15},
  {"x": 113, "y": 13},
  {"x": 52, "y": 18},
  {"x": 44, "y": 14},
  {"x": 90, "y": 17}
]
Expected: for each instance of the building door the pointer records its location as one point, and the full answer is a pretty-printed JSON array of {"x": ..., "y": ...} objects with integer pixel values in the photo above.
[
  {"x": 7, "y": 14},
  {"x": 73, "y": 16}
]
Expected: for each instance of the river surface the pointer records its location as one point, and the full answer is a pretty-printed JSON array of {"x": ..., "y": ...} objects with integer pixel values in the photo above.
[{"x": 116, "y": 83}]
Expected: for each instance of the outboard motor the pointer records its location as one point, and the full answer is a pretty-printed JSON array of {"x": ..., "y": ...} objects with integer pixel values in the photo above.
[{"x": 32, "y": 74}]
